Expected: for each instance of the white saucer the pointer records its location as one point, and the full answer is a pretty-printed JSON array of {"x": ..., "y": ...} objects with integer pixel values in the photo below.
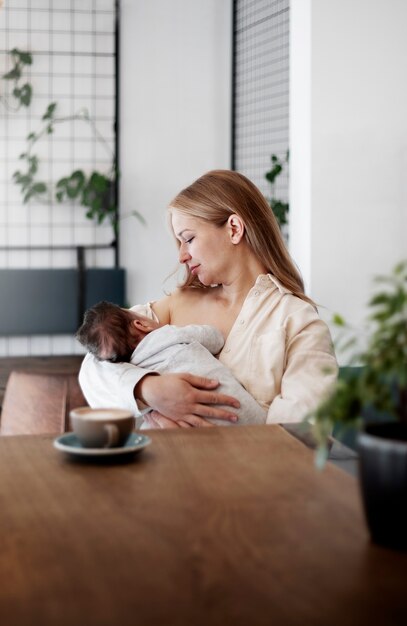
[{"x": 71, "y": 444}]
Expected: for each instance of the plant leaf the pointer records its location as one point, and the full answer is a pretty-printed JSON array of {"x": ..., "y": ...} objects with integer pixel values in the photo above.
[
  {"x": 39, "y": 188},
  {"x": 25, "y": 57},
  {"x": 338, "y": 320},
  {"x": 13, "y": 74},
  {"x": 50, "y": 111}
]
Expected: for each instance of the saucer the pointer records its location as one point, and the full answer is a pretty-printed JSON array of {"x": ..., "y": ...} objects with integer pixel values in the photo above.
[{"x": 70, "y": 443}]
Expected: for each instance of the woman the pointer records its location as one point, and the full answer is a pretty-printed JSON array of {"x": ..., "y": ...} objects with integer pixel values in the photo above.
[{"x": 240, "y": 279}]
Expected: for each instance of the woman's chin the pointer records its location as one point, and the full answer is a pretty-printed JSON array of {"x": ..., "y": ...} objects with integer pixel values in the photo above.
[{"x": 204, "y": 281}]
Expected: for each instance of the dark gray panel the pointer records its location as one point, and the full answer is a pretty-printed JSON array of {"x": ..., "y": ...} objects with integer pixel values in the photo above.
[
  {"x": 105, "y": 284},
  {"x": 38, "y": 301},
  {"x": 46, "y": 301}
]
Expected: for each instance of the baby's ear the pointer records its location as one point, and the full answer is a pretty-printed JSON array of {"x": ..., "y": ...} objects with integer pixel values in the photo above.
[{"x": 143, "y": 326}]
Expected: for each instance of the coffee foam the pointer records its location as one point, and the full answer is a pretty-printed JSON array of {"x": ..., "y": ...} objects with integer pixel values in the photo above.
[{"x": 100, "y": 414}]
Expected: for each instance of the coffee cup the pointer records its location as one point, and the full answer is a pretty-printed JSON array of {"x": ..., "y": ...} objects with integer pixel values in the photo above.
[{"x": 102, "y": 428}]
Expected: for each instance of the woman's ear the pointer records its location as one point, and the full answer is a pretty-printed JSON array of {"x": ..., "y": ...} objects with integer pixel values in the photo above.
[{"x": 236, "y": 228}]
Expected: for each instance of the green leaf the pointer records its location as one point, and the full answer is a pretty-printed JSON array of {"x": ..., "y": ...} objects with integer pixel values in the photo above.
[
  {"x": 74, "y": 184},
  {"x": 139, "y": 216},
  {"x": 400, "y": 269},
  {"x": 48, "y": 115},
  {"x": 62, "y": 182},
  {"x": 25, "y": 57},
  {"x": 26, "y": 93},
  {"x": 33, "y": 164},
  {"x": 96, "y": 205},
  {"x": 13, "y": 74},
  {"x": 23, "y": 179},
  {"x": 72, "y": 192},
  {"x": 78, "y": 175},
  {"x": 338, "y": 320},
  {"x": 280, "y": 210},
  {"x": 99, "y": 182},
  {"x": 39, "y": 188},
  {"x": 274, "y": 173},
  {"x": 27, "y": 196}
]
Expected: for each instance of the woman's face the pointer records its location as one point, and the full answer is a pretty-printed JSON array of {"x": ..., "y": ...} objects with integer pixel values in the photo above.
[{"x": 206, "y": 249}]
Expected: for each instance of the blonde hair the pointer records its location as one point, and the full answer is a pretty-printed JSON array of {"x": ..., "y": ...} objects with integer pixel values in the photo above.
[{"x": 220, "y": 193}]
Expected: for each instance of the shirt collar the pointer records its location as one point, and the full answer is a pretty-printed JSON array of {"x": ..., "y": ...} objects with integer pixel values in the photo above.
[{"x": 265, "y": 280}]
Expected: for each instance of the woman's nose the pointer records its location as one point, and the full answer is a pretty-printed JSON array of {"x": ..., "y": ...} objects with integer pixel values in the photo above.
[{"x": 184, "y": 256}]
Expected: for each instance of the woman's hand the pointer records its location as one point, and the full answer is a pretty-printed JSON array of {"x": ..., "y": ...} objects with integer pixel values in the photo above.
[
  {"x": 155, "y": 420},
  {"x": 184, "y": 398}
]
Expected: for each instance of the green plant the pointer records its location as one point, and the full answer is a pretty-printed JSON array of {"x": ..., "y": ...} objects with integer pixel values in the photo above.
[
  {"x": 21, "y": 92},
  {"x": 95, "y": 191},
  {"x": 279, "y": 208},
  {"x": 380, "y": 387}
]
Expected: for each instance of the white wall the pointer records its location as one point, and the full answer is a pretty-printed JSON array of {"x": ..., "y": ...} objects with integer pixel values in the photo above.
[
  {"x": 348, "y": 146},
  {"x": 175, "y": 122}
]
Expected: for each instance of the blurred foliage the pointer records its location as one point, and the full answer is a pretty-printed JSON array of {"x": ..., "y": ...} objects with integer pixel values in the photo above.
[
  {"x": 279, "y": 208},
  {"x": 379, "y": 385},
  {"x": 22, "y": 92}
]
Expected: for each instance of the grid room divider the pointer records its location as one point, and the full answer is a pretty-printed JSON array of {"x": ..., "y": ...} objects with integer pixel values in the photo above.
[
  {"x": 260, "y": 89},
  {"x": 74, "y": 48}
]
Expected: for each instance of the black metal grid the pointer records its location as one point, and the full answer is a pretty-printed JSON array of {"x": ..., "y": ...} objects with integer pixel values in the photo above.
[
  {"x": 74, "y": 48},
  {"x": 74, "y": 44},
  {"x": 260, "y": 89}
]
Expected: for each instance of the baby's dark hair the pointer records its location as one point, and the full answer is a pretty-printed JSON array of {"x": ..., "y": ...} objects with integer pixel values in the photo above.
[{"x": 105, "y": 332}]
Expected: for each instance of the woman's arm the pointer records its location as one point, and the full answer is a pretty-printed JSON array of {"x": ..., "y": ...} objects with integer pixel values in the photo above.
[
  {"x": 310, "y": 368},
  {"x": 186, "y": 397}
]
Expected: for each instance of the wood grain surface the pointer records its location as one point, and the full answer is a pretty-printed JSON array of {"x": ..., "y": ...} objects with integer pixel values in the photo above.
[
  {"x": 206, "y": 526},
  {"x": 63, "y": 364}
]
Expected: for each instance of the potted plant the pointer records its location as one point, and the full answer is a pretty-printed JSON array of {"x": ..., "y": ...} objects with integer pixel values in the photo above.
[{"x": 373, "y": 397}]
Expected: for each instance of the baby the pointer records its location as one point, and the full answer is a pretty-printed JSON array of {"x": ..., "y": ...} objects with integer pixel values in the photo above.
[{"x": 114, "y": 334}]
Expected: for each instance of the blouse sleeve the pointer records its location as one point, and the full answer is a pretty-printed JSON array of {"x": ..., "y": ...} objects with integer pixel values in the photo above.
[
  {"x": 106, "y": 384},
  {"x": 310, "y": 369}
]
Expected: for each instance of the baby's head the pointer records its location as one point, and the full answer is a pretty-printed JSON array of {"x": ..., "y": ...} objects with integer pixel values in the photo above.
[{"x": 111, "y": 333}]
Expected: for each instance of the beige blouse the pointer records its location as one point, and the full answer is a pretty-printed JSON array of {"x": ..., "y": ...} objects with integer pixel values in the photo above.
[{"x": 278, "y": 348}]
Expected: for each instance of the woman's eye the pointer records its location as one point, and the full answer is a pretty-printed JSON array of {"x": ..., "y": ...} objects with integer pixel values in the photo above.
[{"x": 189, "y": 240}]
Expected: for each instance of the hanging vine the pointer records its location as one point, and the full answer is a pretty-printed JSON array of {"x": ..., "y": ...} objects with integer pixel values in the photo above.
[
  {"x": 96, "y": 191},
  {"x": 22, "y": 92}
]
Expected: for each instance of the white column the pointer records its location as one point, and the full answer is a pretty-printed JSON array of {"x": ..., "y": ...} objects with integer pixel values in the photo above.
[{"x": 348, "y": 146}]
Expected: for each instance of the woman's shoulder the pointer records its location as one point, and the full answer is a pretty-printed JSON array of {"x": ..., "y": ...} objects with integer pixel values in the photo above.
[
  {"x": 179, "y": 299},
  {"x": 191, "y": 294}
]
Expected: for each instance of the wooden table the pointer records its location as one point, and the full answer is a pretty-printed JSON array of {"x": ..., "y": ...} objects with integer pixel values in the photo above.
[{"x": 205, "y": 527}]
